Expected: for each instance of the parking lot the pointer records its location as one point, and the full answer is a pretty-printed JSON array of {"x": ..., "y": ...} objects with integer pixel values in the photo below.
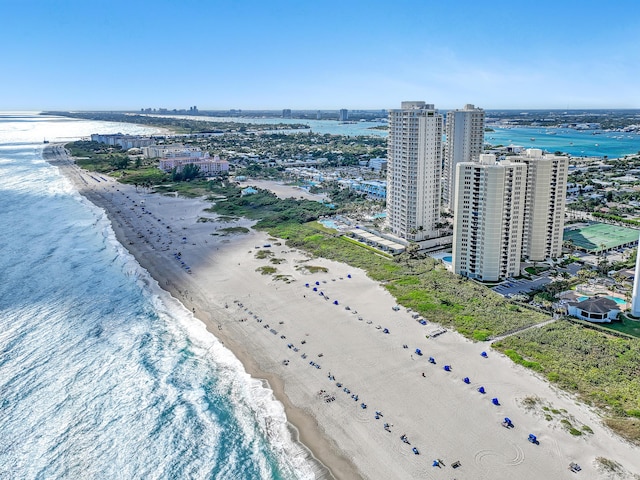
[{"x": 513, "y": 287}]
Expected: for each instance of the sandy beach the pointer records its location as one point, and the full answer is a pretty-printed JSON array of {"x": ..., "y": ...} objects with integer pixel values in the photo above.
[{"x": 350, "y": 389}]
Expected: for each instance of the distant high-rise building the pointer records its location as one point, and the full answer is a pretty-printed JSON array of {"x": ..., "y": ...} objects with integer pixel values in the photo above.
[
  {"x": 464, "y": 130},
  {"x": 488, "y": 218},
  {"x": 343, "y": 116},
  {"x": 414, "y": 168},
  {"x": 319, "y": 115},
  {"x": 286, "y": 113},
  {"x": 546, "y": 193}
]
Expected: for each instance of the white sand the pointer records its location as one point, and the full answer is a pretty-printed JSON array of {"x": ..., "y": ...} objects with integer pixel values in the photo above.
[
  {"x": 283, "y": 191},
  {"x": 443, "y": 417}
]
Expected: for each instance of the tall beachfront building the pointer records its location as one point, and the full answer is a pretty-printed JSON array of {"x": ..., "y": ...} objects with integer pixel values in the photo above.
[
  {"x": 488, "y": 218},
  {"x": 635, "y": 299},
  {"x": 414, "y": 168},
  {"x": 506, "y": 211},
  {"x": 546, "y": 193},
  {"x": 464, "y": 130}
]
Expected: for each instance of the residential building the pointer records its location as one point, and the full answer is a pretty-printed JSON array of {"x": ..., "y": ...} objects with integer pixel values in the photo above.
[
  {"x": 596, "y": 309},
  {"x": 635, "y": 299},
  {"x": 414, "y": 168},
  {"x": 546, "y": 192},
  {"x": 464, "y": 130},
  {"x": 123, "y": 141},
  {"x": 176, "y": 150},
  {"x": 208, "y": 166},
  {"x": 377, "y": 164},
  {"x": 343, "y": 115},
  {"x": 488, "y": 219},
  {"x": 373, "y": 189},
  {"x": 286, "y": 113}
]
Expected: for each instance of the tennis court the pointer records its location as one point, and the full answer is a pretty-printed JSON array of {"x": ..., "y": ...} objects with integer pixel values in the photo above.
[{"x": 600, "y": 236}]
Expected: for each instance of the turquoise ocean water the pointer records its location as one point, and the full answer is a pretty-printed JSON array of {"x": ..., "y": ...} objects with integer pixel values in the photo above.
[{"x": 102, "y": 374}]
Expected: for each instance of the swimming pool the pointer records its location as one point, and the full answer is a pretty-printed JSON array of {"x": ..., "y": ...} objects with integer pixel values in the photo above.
[
  {"x": 329, "y": 224},
  {"x": 619, "y": 301},
  {"x": 447, "y": 258}
]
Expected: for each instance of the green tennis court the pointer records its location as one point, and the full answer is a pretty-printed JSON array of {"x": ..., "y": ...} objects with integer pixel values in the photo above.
[{"x": 600, "y": 236}]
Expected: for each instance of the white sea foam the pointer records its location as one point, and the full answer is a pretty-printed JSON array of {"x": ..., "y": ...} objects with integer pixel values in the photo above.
[{"x": 103, "y": 374}]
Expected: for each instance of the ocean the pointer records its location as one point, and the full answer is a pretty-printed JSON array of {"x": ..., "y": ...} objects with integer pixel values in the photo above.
[{"x": 103, "y": 375}]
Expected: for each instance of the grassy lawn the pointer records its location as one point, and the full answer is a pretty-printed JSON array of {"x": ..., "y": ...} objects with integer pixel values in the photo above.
[
  {"x": 536, "y": 270},
  {"x": 630, "y": 327}
]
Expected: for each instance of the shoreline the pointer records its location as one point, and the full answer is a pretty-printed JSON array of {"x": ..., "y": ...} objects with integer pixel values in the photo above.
[
  {"x": 442, "y": 416},
  {"x": 319, "y": 450}
]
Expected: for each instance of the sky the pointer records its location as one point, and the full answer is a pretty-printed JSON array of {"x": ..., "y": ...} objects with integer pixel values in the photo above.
[{"x": 318, "y": 54}]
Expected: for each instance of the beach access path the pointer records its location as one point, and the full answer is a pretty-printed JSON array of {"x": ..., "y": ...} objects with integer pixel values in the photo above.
[{"x": 326, "y": 363}]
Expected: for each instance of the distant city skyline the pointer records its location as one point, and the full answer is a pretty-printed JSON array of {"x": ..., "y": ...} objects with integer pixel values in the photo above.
[{"x": 329, "y": 55}]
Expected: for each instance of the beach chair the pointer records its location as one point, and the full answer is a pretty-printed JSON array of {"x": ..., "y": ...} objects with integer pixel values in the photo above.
[
  {"x": 495, "y": 401},
  {"x": 466, "y": 380},
  {"x": 447, "y": 368},
  {"x": 533, "y": 439},
  {"x": 432, "y": 360},
  {"x": 481, "y": 390}
]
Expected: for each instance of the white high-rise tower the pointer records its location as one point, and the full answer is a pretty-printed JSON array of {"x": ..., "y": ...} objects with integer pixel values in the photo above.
[
  {"x": 414, "y": 168},
  {"x": 546, "y": 193},
  {"x": 635, "y": 299},
  {"x": 489, "y": 210},
  {"x": 464, "y": 131}
]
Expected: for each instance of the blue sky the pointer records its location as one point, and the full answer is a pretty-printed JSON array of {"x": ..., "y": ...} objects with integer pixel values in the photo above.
[{"x": 323, "y": 54}]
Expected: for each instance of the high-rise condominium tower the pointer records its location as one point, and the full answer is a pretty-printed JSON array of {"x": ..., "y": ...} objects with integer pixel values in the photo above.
[
  {"x": 489, "y": 211},
  {"x": 414, "y": 168},
  {"x": 544, "y": 204},
  {"x": 508, "y": 210},
  {"x": 464, "y": 131}
]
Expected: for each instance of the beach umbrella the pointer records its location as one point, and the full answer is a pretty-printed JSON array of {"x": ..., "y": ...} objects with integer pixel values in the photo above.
[
  {"x": 348, "y": 275},
  {"x": 484, "y": 354},
  {"x": 466, "y": 380},
  {"x": 447, "y": 368},
  {"x": 435, "y": 463},
  {"x": 495, "y": 401},
  {"x": 481, "y": 390}
]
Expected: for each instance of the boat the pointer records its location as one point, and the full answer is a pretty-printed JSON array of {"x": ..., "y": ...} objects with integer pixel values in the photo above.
[{"x": 45, "y": 141}]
